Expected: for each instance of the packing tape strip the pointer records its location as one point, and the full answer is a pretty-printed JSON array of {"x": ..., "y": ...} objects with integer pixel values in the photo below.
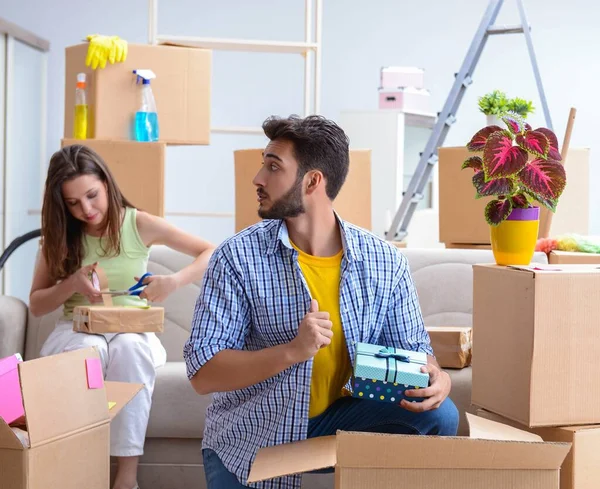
[{"x": 100, "y": 282}]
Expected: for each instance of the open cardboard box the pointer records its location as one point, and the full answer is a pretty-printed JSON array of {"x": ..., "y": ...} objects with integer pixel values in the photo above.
[
  {"x": 68, "y": 424},
  {"x": 494, "y": 456},
  {"x": 118, "y": 319}
]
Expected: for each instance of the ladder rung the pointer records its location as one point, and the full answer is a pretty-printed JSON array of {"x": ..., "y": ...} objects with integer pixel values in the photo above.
[{"x": 506, "y": 29}]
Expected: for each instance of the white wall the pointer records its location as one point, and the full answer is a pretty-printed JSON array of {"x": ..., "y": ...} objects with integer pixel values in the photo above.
[{"x": 358, "y": 38}]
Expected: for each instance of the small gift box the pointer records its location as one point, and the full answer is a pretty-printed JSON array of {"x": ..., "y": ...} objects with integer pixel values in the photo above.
[{"x": 384, "y": 373}]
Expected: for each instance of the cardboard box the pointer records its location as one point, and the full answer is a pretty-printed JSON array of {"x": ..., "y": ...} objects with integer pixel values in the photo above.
[
  {"x": 565, "y": 257},
  {"x": 353, "y": 203},
  {"x": 536, "y": 360},
  {"x": 451, "y": 345},
  {"x": 383, "y": 374},
  {"x": 494, "y": 456},
  {"x": 11, "y": 403},
  {"x": 138, "y": 168},
  {"x": 398, "y": 244},
  {"x": 581, "y": 468},
  {"x": 461, "y": 215},
  {"x": 118, "y": 319},
  {"x": 68, "y": 424},
  {"x": 181, "y": 90},
  {"x": 465, "y": 246},
  {"x": 405, "y": 99}
]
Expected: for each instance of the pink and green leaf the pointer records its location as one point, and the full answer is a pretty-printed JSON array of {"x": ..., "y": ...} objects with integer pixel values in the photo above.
[
  {"x": 553, "y": 153},
  {"x": 534, "y": 142},
  {"x": 549, "y": 203},
  {"x": 501, "y": 158},
  {"x": 527, "y": 126},
  {"x": 480, "y": 138},
  {"x": 514, "y": 123},
  {"x": 520, "y": 201},
  {"x": 474, "y": 162},
  {"x": 497, "y": 211},
  {"x": 499, "y": 186},
  {"x": 544, "y": 178}
]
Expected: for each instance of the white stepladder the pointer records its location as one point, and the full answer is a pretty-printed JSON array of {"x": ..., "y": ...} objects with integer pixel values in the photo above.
[{"x": 428, "y": 158}]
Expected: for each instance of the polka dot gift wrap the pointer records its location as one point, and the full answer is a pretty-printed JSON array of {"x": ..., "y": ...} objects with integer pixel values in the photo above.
[{"x": 383, "y": 374}]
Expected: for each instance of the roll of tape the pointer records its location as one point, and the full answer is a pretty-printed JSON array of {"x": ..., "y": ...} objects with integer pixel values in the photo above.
[{"x": 100, "y": 283}]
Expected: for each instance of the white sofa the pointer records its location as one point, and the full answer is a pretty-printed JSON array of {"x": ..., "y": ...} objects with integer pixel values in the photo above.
[{"x": 173, "y": 459}]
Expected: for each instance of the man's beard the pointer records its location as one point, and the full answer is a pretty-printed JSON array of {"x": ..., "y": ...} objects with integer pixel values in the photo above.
[{"x": 288, "y": 205}]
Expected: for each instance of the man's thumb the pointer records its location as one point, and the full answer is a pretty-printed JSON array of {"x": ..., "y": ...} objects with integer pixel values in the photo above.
[{"x": 314, "y": 306}]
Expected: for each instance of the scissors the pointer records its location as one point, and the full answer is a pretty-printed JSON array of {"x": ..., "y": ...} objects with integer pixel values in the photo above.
[{"x": 136, "y": 289}]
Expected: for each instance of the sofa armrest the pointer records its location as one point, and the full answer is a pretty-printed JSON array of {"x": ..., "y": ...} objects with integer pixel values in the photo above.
[{"x": 13, "y": 326}]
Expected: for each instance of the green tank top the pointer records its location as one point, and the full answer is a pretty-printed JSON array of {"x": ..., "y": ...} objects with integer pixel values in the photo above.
[{"x": 120, "y": 270}]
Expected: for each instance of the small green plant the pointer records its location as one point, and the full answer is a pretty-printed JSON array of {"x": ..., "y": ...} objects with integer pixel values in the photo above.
[
  {"x": 520, "y": 106},
  {"x": 493, "y": 103},
  {"x": 497, "y": 103}
]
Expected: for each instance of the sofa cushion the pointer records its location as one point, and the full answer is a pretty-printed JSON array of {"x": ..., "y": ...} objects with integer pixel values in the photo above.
[
  {"x": 13, "y": 324},
  {"x": 177, "y": 410}
]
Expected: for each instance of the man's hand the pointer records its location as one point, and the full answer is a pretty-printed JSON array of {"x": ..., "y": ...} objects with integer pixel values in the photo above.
[
  {"x": 438, "y": 390},
  {"x": 314, "y": 333}
]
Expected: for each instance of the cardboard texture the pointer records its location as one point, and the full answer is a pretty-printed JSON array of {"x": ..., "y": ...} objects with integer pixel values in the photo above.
[
  {"x": 67, "y": 423},
  {"x": 494, "y": 456},
  {"x": 181, "y": 90},
  {"x": 353, "y": 203},
  {"x": 118, "y": 319},
  {"x": 461, "y": 215},
  {"x": 581, "y": 468},
  {"x": 138, "y": 168},
  {"x": 537, "y": 343},
  {"x": 11, "y": 403},
  {"x": 566, "y": 257},
  {"x": 452, "y": 346}
]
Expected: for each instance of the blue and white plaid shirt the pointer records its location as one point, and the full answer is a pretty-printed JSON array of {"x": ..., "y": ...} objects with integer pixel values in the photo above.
[{"x": 254, "y": 296}]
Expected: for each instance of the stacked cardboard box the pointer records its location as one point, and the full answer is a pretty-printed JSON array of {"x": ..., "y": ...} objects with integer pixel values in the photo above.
[
  {"x": 535, "y": 365},
  {"x": 182, "y": 92}
]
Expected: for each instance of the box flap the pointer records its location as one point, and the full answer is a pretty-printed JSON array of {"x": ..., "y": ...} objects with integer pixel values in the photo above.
[
  {"x": 486, "y": 429},
  {"x": 293, "y": 458},
  {"x": 7, "y": 438},
  {"x": 120, "y": 393},
  {"x": 9, "y": 363},
  {"x": 56, "y": 396}
]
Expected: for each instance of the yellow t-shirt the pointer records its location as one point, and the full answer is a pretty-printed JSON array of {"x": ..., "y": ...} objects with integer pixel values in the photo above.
[{"x": 331, "y": 364}]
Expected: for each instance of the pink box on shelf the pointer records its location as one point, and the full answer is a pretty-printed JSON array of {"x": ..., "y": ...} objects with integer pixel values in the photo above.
[
  {"x": 402, "y": 76},
  {"x": 405, "y": 99},
  {"x": 11, "y": 402}
]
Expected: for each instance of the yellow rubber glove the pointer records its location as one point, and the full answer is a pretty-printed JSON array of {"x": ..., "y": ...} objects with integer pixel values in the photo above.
[{"x": 105, "y": 48}]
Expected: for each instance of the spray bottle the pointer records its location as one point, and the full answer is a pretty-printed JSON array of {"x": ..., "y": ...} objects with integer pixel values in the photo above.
[
  {"x": 146, "y": 118},
  {"x": 81, "y": 109}
]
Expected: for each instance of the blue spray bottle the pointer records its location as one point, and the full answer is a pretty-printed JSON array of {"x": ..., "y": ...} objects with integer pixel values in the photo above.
[{"x": 146, "y": 118}]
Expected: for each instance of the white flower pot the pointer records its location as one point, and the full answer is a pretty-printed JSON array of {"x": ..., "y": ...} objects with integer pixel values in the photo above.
[{"x": 493, "y": 120}]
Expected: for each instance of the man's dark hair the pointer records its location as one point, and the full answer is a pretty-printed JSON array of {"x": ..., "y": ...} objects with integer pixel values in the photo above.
[{"x": 319, "y": 144}]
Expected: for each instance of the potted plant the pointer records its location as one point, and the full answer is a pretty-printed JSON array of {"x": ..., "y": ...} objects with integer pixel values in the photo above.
[
  {"x": 520, "y": 106},
  {"x": 493, "y": 105},
  {"x": 519, "y": 167}
]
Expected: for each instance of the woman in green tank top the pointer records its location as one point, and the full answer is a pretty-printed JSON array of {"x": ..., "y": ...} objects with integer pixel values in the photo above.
[{"x": 87, "y": 222}]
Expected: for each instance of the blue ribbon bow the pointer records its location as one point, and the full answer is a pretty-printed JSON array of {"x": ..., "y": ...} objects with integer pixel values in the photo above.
[{"x": 391, "y": 353}]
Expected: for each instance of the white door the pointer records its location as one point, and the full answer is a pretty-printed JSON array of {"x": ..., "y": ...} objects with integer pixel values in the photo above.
[{"x": 25, "y": 153}]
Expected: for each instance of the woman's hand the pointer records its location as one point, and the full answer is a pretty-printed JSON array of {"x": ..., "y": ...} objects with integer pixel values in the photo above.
[
  {"x": 81, "y": 282},
  {"x": 158, "y": 287}
]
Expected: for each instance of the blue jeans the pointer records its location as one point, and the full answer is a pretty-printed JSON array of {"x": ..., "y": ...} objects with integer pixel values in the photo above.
[{"x": 351, "y": 414}]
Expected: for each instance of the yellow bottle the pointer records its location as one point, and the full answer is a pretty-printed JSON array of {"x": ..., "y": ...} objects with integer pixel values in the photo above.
[{"x": 81, "y": 109}]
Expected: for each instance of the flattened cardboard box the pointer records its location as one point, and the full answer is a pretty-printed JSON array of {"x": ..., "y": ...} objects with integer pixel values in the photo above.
[
  {"x": 138, "y": 168},
  {"x": 68, "y": 425},
  {"x": 451, "y": 345},
  {"x": 581, "y": 468},
  {"x": 536, "y": 354},
  {"x": 181, "y": 89},
  {"x": 461, "y": 215},
  {"x": 353, "y": 203},
  {"x": 566, "y": 257},
  {"x": 118, "y": 319},
  {"x": 494, "y": 456}
]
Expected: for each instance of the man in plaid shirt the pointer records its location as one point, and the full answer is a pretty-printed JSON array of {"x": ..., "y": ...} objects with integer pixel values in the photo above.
[{"x": 283, "y": 304}]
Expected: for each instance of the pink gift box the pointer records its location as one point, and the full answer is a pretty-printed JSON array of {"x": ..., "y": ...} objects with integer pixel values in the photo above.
[
  {"x": 11, "y": 402},
  {"x": 406, "y": 99}
]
